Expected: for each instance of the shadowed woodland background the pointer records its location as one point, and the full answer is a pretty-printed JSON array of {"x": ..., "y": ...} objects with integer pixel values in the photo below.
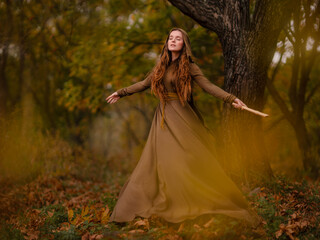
[{"x": 59, "y": 60}]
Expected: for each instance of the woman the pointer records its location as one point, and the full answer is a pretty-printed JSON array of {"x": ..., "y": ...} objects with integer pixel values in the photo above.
[{"x": 178, "y": 176}]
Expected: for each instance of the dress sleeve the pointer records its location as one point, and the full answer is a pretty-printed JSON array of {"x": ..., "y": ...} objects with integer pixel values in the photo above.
[
  {"x": 208, "y": 86},
  {"x": 134, "y": 88}
]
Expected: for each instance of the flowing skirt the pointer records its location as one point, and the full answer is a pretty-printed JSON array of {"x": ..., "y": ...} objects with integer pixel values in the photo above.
[{"x": 178, "y": 176}]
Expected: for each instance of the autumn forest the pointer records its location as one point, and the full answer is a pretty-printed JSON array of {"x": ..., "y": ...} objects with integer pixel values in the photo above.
[{"x": 65, "y": 152}]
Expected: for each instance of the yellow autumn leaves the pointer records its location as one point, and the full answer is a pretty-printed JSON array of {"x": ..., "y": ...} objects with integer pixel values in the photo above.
[{"x": 89, "y": 214}]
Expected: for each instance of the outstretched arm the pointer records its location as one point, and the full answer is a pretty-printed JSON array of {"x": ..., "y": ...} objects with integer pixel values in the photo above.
[
  {"x": 211, "y": 88},
  {"x": 134, "y": 88},
  {"x": 127, "y": 91}
]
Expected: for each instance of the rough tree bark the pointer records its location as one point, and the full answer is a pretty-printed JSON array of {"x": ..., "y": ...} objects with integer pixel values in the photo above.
[{"x": 248, "y": 32}]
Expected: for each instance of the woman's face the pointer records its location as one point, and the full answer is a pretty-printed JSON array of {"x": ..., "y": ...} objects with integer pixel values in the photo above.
[{"x": 175, "y": 42}]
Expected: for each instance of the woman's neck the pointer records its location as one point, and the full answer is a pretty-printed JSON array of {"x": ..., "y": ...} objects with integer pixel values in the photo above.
[{"x": 174, "y": 55}]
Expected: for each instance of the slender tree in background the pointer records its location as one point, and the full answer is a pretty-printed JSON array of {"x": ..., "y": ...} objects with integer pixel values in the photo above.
[
  {"x": 248, "y": 32},
  {"x": 302, "y": 32},
  {"x": 5, "y": 42}
]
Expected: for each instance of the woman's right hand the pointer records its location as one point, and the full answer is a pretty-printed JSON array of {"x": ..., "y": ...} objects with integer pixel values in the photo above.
[{"x": 113, "y": 98}]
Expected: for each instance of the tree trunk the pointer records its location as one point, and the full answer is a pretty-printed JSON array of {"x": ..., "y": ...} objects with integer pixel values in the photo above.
[
  {"x": 3, "y": 61},
  {"x": 304, "y": 144},
  {"x": 3, "y": 82},
  {"x": 244, "y": 147},
  {"x": 248, "y": 42},
  {"x": 245, "y": 77}
]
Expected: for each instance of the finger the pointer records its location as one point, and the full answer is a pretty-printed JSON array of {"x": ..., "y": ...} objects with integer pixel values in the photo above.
[
  {"x": 236, "y": 105},
  {"x": 110, "y": 97}
]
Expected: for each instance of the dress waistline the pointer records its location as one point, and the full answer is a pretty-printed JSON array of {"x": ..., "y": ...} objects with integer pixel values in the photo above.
[
  {"x": 168, "y": 97},
  {"x": 171, "y": 96}
]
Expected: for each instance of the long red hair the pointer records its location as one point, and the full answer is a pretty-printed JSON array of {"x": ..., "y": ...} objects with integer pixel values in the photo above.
[{"x": 182, "y": 82}]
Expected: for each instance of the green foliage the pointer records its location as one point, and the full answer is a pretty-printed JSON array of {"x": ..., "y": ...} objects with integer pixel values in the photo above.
[
  {"x": 59, "y": 216},
  {"x": 286, "y": 207},
  {"x": 109, "y": 199},
  {"x": 71, "y": 234},
  {"x": 7, "y": 231}
]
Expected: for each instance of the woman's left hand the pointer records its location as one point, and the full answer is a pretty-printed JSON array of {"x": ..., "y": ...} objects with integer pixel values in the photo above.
[{"x": 237, "y": 103}]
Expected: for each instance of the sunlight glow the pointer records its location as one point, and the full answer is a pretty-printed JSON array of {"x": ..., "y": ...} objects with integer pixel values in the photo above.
[{"x": 309, "y": 44}]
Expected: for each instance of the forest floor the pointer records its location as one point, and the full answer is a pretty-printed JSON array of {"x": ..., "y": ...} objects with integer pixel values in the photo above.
[{"x": 66, "y": 207}]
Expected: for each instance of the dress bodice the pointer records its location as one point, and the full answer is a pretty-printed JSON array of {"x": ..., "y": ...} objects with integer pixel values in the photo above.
[{"x": 197, "y": 76}]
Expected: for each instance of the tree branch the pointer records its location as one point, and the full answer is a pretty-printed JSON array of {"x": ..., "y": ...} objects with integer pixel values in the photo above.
[
  {"x": 312, "y": 92},
  {"x": 275, "y": 123},
  {"x": 208, "y": 14},
  {"x": 281, "y": 103},
  {"x": 289, "y": 34},
  {"x": 277, "y": 67}
]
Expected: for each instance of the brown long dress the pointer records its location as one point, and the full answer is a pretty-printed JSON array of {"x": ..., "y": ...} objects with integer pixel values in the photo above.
[{"x": 178, "y": 176}]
